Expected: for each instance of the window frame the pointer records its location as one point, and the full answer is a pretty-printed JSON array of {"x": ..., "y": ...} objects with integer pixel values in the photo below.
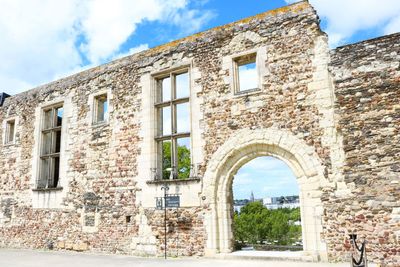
[
  {"x": 6, "y": 140},
  {"x": 95, "y": 112},
  {"x": 241, "y": 60},
  {"x": 173, "y": 136},
  {"x": 52, "y": 156}
]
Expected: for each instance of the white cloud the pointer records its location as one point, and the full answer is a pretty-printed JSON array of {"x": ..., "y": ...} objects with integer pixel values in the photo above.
[
  {"x": 266, "y": 164},
  {"x": 393, "y": 26},
  {"x": 292, "y": 1},
  {"x": 243, "y": 178},
  {"x": 269, "y": 188},
  {"x": 265, "y": 176},
  {"x": 79, "y": 68},
  {"x": 346, "y": 17},
  {"x": 192, "y": 20},
  {"x": 108, "y": 24},
  {"x": 248, "y": 77},
  {"x": 37, "y": 38},
  {"x": 44, "y": 39},
  {"x": 132, "y": 51}
]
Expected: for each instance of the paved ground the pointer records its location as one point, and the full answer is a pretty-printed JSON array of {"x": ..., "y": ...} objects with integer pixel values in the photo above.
[
  {"x": 270, "y": 254},
  {"x": 29, "y": 258}
]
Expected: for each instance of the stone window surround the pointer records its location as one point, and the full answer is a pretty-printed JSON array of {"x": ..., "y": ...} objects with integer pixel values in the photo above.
[
  {"x": 50, "y": 127},
  {"x": 155, "y": 76},
  {"x": 96, "y": 219},
  {"x": 38, "y": 154},
  {"x": 92, "y": 107},
  {"x": 230, "y": 63},
  {"x": 151, "y": 188},
  {"x": 5, "y": 123},
  {"x": 242, "y": 61},
  {"x": 51, "y": 197}
]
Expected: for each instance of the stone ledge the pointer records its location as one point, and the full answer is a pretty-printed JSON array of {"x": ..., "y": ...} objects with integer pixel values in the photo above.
[
  {"x": 248, "y": 92},
  {"x": 47, "y": 189},
  {"x": 175, "y": 181}
]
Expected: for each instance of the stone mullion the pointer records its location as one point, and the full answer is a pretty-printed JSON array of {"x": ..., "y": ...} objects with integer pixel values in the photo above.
[
  {"x": 51, "y": 173},
  {"x": 54, "y": 119},
  {"x": 52, "y": 149},
  {"x": 174, "y": 152}
]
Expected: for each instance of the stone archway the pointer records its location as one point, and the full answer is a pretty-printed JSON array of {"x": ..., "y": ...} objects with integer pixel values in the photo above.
[{"x": 244, "y": 146}]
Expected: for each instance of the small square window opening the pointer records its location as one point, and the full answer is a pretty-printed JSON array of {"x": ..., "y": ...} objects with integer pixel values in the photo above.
[{"x": 246, "y": 73}]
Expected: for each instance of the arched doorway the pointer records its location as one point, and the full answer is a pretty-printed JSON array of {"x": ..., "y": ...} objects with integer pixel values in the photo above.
[
  {"x": 244, "y": 146},
  {"x": 266, "y": 209}
]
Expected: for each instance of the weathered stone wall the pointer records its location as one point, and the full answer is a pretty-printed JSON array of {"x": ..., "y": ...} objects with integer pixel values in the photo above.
[
  {"x": 90, "y": 149},
  {"x": 101, "y": 170},
  {"x": 367, "y": 89},
  {"x": 185, "y": 231},
  {"x": 107, "y": 203}
]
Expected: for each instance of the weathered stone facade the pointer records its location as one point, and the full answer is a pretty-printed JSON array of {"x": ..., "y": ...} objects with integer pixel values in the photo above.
[
  {"x": 367, "y": 90},
  {"x": 333, "y": 116}
]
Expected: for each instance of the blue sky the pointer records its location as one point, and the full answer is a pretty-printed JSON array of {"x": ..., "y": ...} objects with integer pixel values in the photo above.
[
  {"x": 265, "y": 177},
  {"x": 43, "y": 40}
]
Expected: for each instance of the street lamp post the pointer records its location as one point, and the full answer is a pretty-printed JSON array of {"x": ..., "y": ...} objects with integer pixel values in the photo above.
[{"x": 165, "y": 188}]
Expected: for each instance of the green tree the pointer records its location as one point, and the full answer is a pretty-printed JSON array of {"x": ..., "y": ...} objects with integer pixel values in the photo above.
[
  {"x": 255, "y": 224},
  {"x": 253, "y": 208},
  {"x": 183, "y": 169},
  {"x": 166, "y": 159},
  {"x": 279, "y": 227},
  {"x": 252, "y": 224},
  {"x": 183, "y": 162}
]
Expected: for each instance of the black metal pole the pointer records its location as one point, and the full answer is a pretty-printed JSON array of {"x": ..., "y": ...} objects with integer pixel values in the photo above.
[
  {"x": 165, "y": 222},
  {"x": 177, "y": 232}
]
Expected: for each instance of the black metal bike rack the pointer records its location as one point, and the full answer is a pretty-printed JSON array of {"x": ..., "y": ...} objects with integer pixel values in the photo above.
[{"x": 358, "y": 254}]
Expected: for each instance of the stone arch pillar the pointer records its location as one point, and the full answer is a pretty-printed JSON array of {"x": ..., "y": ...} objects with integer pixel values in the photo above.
[{"x": 244, "y": 146}]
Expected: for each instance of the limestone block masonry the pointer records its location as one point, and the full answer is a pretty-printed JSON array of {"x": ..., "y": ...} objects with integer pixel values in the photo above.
[{"x": 332, "y": 115}]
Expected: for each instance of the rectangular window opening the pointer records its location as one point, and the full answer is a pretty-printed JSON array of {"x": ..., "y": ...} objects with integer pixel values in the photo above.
[
  {"x": 10, "y": 132},
  {"x": 246, "y": 73},
  {"x": 50, "y": 148},
  {"x": 173, "y": 134},
  {"x": 100, "y": 109}
]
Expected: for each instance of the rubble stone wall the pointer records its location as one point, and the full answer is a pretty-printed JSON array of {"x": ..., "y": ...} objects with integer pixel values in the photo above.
[
  {"x": 367, "y": 88},
  {"x": 107, "y": 203}
]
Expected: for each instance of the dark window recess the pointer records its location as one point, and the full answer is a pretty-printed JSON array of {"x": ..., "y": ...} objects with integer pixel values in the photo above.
[
  {"x": 89, "y": 220},
  {"x": 100, "y": 109},
  {"x": 128, "y": 219},
  {"x": 10, "y": 132}
]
